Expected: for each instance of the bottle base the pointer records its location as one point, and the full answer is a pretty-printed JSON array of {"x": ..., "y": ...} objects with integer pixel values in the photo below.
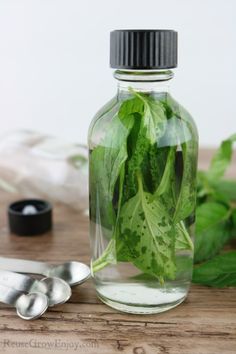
[{"x": 140, "y": 309}]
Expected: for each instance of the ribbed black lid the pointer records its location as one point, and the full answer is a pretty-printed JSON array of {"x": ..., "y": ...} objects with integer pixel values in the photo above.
[{"x": 143, "y": 49}]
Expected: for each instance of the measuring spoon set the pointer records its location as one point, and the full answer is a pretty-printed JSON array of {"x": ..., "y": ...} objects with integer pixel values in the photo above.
[{"x": 32, "y": 297}]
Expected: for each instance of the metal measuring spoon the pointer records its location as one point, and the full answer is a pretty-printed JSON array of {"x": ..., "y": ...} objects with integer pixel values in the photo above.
[
  {"x": 28, "y": 306},
  {"x": 72, "y": 272},
  {"x": 57, "y": 290}
]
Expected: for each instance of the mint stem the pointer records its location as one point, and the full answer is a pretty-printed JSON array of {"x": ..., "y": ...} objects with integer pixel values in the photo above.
[
  {"x": 106, "y": 258},
  {"x": 187, "y": 237}
]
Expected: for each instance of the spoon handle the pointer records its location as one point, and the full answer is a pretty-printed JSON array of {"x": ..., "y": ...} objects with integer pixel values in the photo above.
[
  {"x": 9, "y": 295},
  {"x": 24, "y": 266},
  {"x": 14, "y": 280}
]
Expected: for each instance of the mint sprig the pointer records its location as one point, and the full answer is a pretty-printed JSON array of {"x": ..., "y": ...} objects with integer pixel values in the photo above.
[
  {"x": 216, "y": 221},
  {"x": 139, "y": 197}
]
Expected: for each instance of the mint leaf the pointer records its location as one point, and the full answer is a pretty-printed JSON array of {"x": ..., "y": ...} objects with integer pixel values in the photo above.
[
  {"x": 138, "y": 156},
  {"x": 223, "y": 190},
  {"x": 186, "y": 132},
  {"x": 212, "y": 230},
  {"x": 154, "y": 117},
  {"x": 148, "y": 235},
  {"x": 106, "y": 171},
  {"x": 221, "y": 159},
  {"x": 131, "y": 107},
  {"x": 150, "y": 120},
  {"x": 182, "y": 238},
  {"x": 167, "y": 173},
  {"x": 233, "y": 229},
  {"x": 106, "y": 162},
  {"x": 218, "y": 272},
  {"x": 211, "y": 185},
  {"x": 157, "y": 159},
  {"x": 187, "y": 199}
]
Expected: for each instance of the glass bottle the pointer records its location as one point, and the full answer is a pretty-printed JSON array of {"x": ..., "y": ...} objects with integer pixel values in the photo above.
[{"x": 142, "y": 179}]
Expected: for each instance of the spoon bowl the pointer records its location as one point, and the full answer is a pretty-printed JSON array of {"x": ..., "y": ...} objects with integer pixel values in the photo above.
[
  {"x": 31, "y": 306},
  {"x": 73, "y": 273},
  {"x": 56, "y": 290}
]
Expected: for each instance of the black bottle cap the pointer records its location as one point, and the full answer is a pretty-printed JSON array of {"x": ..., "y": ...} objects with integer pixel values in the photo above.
[
  {"x": 143, "y": 49},
  {"x": 30, "y": 217}
]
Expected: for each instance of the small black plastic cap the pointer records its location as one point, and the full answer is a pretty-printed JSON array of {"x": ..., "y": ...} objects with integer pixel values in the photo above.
[
  {"x": 143, "y": 49},
  {"x": 30, "y": 217}
]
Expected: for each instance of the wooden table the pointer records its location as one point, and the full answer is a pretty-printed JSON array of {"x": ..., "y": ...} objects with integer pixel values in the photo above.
[{"x": 204, "y": 324}]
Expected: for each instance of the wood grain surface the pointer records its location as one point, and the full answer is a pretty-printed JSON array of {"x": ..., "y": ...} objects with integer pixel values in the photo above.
[{"x": 204, "y": 324}]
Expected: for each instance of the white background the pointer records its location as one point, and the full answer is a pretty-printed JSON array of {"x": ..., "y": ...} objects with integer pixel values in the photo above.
[{"x": 54, "y": 61}]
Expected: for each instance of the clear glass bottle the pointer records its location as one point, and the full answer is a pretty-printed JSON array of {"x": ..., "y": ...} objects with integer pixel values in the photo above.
[{"x": 142, "y": 170}]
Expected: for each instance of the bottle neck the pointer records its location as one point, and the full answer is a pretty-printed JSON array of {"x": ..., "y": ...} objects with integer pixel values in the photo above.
[{"x": 157, "y": 81}]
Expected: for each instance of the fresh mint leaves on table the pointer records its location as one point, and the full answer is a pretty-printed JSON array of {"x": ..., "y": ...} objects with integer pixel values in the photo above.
[
  {"x": 212, "y": 230},
  {"x": 143, "y": 209},
  {"x": 219, "y": 271},
  {"x": 216, "y": 222}
]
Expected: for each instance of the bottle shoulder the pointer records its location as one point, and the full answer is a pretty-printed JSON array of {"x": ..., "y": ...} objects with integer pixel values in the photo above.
[
  {"x": 178, "y": 124},
  {"x": 103, "y": 116},
  {"x": 179, "y": 111}
]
